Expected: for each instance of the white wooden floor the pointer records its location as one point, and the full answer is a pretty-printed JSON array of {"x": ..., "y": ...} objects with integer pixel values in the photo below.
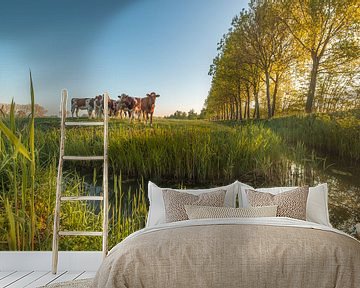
[
  {"x": 32, "y": 269},
  {"x": 31, "y": 279}
]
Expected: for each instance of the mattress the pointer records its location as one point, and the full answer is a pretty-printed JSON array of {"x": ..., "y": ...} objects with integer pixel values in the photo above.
[{"x": 234, "y": 252}]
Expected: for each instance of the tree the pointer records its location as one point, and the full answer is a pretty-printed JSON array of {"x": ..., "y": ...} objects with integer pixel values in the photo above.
[
  {"x": 319, "y": 26},
  {"x": 40, "y": 111},
  {"x": 24, "y": 109},
  {"x": 178, "y": 115},
  {"x": 192, "y": 115},
  {"x": 269, "y": 45},
  {"x": 226, "y": 80},
  {"x": 202, "y": 114}
]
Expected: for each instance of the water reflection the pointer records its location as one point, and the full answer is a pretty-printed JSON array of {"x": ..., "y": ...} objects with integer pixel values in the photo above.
[
  {"x": 343, "y": 183},
  {"x": 344, "y": 189}
]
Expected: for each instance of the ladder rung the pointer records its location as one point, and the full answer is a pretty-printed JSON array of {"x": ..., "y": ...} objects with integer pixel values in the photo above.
[
  {"x": 80, "y": 233},
  {"x": 96, "y": 123},
  {"x": 83, "y": 157},
  {"x": 75, "y": 198}
]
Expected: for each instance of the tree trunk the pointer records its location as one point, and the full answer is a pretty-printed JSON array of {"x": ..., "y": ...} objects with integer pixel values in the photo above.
[
  {"x": 245, "y": 109},
  {"x": 257, "y": 106},
  {"x": 239, "y": 97},
  {"x": 267, "y": 82},
  {"x": 240, "y": 109},
  {"x": 255, "y": 85},
  {"x": 248, "y": 101},
  {"x": 236, "y": 108},
  {"x": 275, "y": 94},
  {"x": 312, "y": 86}
]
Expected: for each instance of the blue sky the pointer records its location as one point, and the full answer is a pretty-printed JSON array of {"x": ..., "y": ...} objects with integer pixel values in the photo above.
[{"x": 92, "y": 46}]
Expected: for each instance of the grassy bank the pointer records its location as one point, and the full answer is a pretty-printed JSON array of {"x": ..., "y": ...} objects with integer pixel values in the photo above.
[{"x": 337, "y": 134}]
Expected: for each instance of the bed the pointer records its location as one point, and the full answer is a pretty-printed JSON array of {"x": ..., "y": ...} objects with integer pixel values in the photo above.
[{"x": 234, "y": 252}]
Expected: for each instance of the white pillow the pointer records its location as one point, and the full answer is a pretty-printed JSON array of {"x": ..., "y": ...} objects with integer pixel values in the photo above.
[
  {"x": 156, "y": 213},
  {"x": 317, "y": 202}
]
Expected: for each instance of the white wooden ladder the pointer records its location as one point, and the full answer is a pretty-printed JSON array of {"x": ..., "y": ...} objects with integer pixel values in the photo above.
[{"x": 59, "y": 198}]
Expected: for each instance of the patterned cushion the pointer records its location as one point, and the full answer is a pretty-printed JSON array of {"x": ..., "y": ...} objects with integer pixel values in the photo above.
[
  {"x": 175, "y": 201},
  {"x": 290, "y": 204},
  {"x": 200, "y": 212}
]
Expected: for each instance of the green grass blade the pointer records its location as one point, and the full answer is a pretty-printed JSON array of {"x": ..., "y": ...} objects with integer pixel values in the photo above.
[
  {"x": 12, "y": 116},
  {"x": 32, "y": 125},
  {"x": 11, "y": 224},
  {"x": 15, "y": 141},
  {"x": 32, "y": 169}
]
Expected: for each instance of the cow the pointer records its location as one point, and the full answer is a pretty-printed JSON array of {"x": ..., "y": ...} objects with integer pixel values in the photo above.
[
  {"x": 148, "y": 106},
  {"x": 112, "y": 107},
  {"x": 82, "y": 104},
  {"x": 122, "y": 105},
  {"x": 99, "y": 105},
  {"x": 130, "y": 105}
]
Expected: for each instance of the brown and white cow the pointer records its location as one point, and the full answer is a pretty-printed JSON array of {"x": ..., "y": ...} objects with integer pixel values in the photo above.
[
  {"x": 131, "y": 105},
  {"x": 148, "y": 106},
  {"x": 112, "y": 107},
  {"x": 82, "y": 104},
  {"x": 99, "y": 106}
]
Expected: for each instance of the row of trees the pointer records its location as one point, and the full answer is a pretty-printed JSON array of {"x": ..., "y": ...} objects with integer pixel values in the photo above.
[
  {"x": 191, "y": 115},
  {"x": 284, "y": 56},
  {"x": 22, "y": 110}
]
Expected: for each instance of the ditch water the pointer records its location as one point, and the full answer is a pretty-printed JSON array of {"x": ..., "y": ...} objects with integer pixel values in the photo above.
[{"x": 343, "y": 183}]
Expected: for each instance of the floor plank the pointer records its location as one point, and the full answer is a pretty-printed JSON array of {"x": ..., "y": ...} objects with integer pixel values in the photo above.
[
  {"x": 13, "y": 277},
  {"x": 86, "y": 275},
  {"x": 68, "y": 276},
  {"x": 28, "y": 279},
  {"x": 47, "y": 278},
  {"x": 32, "y": 279},
  {"x": 5, "y": 274}
]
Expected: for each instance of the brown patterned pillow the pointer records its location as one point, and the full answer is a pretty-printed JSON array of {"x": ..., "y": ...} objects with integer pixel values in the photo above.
[
  {"x": 175, "y": 202},
  {"x": 290, "y": 204}
]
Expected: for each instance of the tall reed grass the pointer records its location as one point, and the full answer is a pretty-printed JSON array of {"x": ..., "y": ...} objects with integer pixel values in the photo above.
[
  {"x": 127, "y": 214},
  {"x": 18, "y": 178},
  {"x": 197, "y": 153}
]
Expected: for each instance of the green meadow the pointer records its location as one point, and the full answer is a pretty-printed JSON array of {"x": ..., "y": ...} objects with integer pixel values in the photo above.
[{"x": 176, "y": 153}]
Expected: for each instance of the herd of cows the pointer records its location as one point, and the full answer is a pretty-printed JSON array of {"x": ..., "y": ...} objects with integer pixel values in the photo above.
[{"x": 125, "y": 105}]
